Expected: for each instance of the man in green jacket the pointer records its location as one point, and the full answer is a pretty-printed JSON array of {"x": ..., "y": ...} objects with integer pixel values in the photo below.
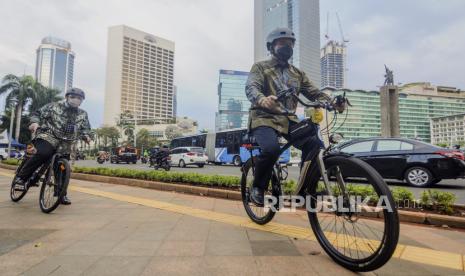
[
  {"x": 60, "y": 124},
  {"x": 266, "y": 79}
]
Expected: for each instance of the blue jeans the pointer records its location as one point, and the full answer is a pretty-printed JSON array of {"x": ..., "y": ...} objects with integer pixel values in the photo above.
[{"x": 268, "y": 140}]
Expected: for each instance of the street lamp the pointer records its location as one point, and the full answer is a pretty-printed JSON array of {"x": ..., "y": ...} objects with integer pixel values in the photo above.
[{"x": 13, "y": 102}]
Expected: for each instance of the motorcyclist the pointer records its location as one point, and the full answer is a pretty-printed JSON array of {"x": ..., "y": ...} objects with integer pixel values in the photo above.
[
  {"x": 265, "y": 80},
  {"x": 162, "y": 154},
  {"x": 56, "y": 121}
]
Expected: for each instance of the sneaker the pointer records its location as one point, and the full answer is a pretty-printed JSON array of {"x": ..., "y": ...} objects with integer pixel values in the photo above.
[
  {"x": 20, "y": 185},
  {"x": 65, "y": 201},
  {"x": 257, "y": 196}
]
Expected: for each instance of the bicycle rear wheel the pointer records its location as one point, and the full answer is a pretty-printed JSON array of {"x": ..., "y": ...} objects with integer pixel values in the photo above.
[
  {"x": 54, "y": 186},
  {"x": 360, "y": 236},
  {"x": 17, "y": 194},
  {"x": 260, "y": 215}
]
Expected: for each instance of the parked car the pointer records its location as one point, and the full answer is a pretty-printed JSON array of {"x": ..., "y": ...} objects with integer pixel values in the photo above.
[
  {"x": 418, "y": 163},
  {"x": 124, "y": 155},
  {"x": 3, "y": 154},
  {"x": 184, "y": 156}
]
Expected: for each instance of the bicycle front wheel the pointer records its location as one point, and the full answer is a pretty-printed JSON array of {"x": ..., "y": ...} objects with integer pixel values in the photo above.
[
  {"x": 354, "y": 218},
  {"x": 17, "y": 193},
  {"x": 54, "y": 186},
  {"x": 260, "y": 215}
]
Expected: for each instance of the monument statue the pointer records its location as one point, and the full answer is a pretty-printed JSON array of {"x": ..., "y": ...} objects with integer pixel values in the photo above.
[{"x": 388, "y": 77}]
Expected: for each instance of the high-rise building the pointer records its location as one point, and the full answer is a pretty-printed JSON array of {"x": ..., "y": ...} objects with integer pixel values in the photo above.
[
  {"x": 449, "y": 130},
  {"x": 55, "y": 64},
  {"x": 418, "y": 103},
  {"x": 333, "y": 59},
  {"x": 302, "y": 17},
  {"x": 175, "y": 102},
  {"x": 233, "y": 105},
  {"x": 139, "y": 76}
]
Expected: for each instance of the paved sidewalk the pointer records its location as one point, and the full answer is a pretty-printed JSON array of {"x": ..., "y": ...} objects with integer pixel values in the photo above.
[{"x": 120, "y": 230}]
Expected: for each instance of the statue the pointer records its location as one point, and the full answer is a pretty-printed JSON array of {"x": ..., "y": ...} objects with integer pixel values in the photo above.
[{"x": 388, "y": 77}]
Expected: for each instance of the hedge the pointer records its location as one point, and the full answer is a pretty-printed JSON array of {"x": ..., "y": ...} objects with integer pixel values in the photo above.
[{"x": 164, "y": 176}]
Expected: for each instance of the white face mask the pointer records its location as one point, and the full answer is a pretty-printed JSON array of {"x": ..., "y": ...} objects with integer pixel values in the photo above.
[{"x": 74, "y": 102}]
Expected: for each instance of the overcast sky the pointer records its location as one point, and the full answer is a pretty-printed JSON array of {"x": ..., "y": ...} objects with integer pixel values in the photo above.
[{"x": 421, "y": 40}]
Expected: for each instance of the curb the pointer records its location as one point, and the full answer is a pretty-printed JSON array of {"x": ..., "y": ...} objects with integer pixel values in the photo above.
[
  {"x": 404, "y": 216},
  {"x": 170, "y": 187}
]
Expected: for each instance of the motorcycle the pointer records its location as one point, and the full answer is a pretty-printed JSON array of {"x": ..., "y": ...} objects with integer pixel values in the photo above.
[
  {"x": 100, "y": 160},
  {"x": 143, "y": 159},
  {"x": 164, "y": 163}
]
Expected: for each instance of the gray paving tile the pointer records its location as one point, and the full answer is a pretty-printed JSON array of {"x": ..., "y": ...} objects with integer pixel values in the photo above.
[
  {"x": 228, "y": 248},
  {"x": 182, "y": 248},
  {"x": 175, "y": 266},
  {"x": 274, "y": 248},
  {"x": 135, "y": 248},
  {"x": 89, "y": 248},
  {"x": 62, "y": 265},
  {"x": 117, "y": 265}
]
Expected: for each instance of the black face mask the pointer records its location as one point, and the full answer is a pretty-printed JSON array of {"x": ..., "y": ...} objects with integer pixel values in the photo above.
[{"x": 284, "y": 53}]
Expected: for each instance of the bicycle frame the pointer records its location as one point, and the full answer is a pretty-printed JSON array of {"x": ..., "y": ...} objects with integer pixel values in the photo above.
[{"x": 318, "y": 155}]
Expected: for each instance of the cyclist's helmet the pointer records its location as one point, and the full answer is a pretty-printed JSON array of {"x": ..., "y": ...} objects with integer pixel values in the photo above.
[
  {"x": 279, "y": 33},
  {"x": 76, "y": 91}
]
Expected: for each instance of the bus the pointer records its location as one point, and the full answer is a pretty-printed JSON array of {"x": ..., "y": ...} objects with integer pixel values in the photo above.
[{"x": 224, "y": 147}]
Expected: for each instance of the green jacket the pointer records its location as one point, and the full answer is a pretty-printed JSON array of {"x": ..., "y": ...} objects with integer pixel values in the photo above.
[
  {"x": 60, "y": 121},
  {"x": 267, "y": 78}
]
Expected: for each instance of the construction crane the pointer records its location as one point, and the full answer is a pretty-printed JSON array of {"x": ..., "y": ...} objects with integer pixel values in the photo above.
[
  {"x": 344, "y": 40},
  {"x": 327, "y": 26}
]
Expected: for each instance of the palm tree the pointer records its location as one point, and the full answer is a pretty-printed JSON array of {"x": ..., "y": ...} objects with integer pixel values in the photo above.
[
  {"x": 19, "y": 89},
  {"x": 43, "y": 96}
]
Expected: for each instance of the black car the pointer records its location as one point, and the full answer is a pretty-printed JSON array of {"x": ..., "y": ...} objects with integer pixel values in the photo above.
[
  {"x": 123, "y": 155},
  {"x": 419, "y": 164}
]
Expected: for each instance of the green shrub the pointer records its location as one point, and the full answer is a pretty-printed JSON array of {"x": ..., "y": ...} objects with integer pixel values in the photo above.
[
  {"x": 163, "y": 176},
  {"x": 289, "y": 187},
  {"x": 438, "y": 201},
  {"x": 402, "y": 196},
  {"x": 13, "y": 162}
]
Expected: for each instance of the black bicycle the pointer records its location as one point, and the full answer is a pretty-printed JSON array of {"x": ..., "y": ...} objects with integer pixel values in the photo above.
[
  {"x": 54, "y": 176},
  {"x": 359, "y": 235}
]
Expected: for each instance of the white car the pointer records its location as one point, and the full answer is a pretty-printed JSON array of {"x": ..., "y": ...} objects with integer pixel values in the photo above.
[
  {"x": 184, "y": 156},
  {"x": 3, "y": 154}
]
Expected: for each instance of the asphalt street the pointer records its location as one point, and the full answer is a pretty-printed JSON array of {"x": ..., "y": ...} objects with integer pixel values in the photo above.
[{"x": 454, "y": 186}]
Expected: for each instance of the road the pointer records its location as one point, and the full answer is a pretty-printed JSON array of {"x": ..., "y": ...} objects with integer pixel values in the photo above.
[
  {"x": 453, "y": 186},
  {"x": 123, "y": 230}
]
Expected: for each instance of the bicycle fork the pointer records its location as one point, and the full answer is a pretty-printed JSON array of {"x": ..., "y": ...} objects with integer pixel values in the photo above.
[{"x": 323, "y": 172}]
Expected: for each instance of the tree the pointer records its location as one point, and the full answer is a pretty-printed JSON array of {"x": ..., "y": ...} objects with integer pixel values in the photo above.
[
  {"x": 108, "y": 135},
  {"x": 20, "y": 89},
  {"x": 25, "y": 134},
  {"x": 172, "y": 132},
  {"x": 42, "y": 96},
  {"x": 145, "y": 140},
  {"x": 126, "y": 123}
]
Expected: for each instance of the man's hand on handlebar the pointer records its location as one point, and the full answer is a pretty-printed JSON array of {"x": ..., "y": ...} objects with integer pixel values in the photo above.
[
  {"x": 340, "y": 103},
  {"x": 270, "y": 103}
]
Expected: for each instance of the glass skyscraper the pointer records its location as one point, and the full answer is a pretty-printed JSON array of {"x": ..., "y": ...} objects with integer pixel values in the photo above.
[
  {"x": 301, "y": 16},
  {"x": 363, "y": 119},
  {"x": 55, "y": 64},
  {"x": 333, "y": 56},
  {"x": 233, "y": 105}
]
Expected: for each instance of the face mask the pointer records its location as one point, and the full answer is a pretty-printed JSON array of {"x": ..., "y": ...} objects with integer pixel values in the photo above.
[
  {"x": 74, "y": 102},
  {"x": 284, "y": 53}
]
